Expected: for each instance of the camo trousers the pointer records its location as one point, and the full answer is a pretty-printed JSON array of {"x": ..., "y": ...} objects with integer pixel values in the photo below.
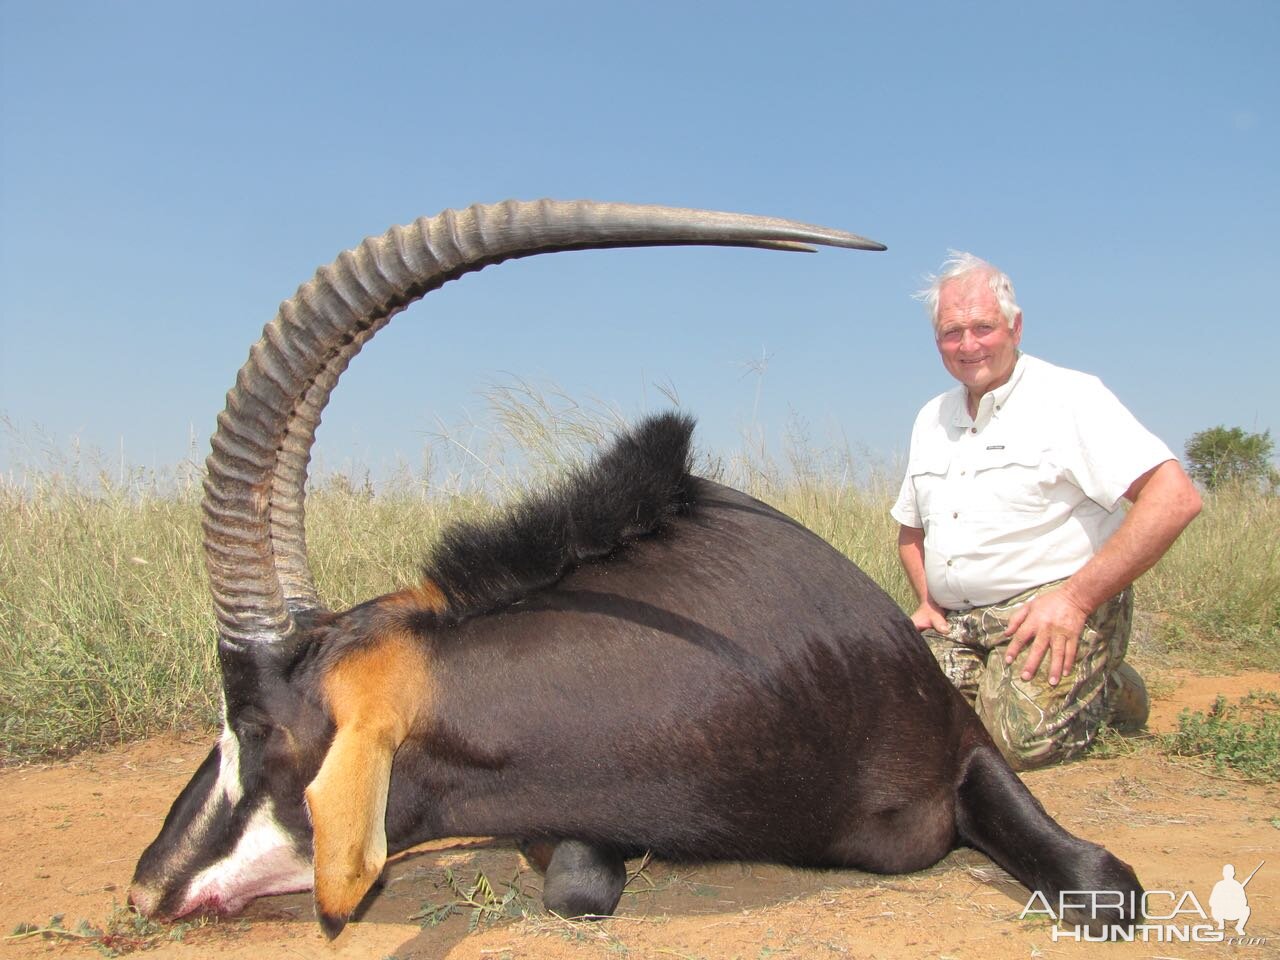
[{"x": 1034, "y": 724}]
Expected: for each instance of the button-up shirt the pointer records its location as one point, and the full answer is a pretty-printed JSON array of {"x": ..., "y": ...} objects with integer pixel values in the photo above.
[{"x": 1026, "y": 491}]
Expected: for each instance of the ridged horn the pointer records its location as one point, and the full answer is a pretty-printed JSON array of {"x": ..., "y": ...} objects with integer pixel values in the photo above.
[{"x": 255, "y": 544}]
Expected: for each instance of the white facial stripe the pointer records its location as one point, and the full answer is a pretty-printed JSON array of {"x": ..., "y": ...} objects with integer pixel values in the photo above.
[
  {"x": 263, "y": 862},
  {"x": 197, "y": 830},
  {"x": 229, "y": 766}
]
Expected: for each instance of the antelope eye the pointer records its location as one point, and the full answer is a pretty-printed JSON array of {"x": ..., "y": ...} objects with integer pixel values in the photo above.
[{"x": 252, "y": 728}]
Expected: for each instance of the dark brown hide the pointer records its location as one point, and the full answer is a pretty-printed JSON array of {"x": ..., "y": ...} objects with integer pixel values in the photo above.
[{"x": 731, "y": 687}]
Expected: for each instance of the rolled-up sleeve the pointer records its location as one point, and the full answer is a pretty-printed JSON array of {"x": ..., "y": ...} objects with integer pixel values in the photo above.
[{"x": 905, "y": 509}]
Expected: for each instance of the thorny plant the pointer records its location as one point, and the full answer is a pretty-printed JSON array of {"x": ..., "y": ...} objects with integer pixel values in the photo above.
[
  {"x": 479, "y": 899},
  {"x": 484, "y": 905},
  {"x": 124, "y": 931}
]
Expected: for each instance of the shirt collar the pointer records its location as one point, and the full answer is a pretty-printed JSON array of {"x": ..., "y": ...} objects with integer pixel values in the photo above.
[{"x": 991, "y": 403}]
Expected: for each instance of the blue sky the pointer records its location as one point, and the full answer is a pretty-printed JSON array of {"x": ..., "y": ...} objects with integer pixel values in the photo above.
[{"x": 170, "y": 172}]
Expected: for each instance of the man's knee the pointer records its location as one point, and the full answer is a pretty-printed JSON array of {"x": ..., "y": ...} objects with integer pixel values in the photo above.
[
  {"x": 1035, "y": 753},
  {"x": 1036, "y": 725}
]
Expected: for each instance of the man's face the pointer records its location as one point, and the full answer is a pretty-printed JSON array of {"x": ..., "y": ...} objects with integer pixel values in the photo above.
[{"x": 978, "y": 348}]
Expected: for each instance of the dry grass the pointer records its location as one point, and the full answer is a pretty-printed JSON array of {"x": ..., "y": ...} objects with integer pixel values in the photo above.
[
  {"x": 106, "y": 631},
  {"x": 1214, "y": 600}
]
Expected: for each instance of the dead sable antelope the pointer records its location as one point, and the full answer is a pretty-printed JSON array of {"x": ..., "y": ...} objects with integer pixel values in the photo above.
[{"x": 639, "y": 660}]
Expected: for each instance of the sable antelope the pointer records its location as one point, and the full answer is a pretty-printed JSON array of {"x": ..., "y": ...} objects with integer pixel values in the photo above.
[{"x": 640, "y": 660}]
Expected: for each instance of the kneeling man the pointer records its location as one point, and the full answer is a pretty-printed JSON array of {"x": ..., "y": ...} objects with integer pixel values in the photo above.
[{"x": 1012, "y": 529}]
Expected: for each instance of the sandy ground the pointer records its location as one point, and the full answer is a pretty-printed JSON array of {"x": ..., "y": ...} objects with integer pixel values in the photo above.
[{"x": 70, "y": 834}]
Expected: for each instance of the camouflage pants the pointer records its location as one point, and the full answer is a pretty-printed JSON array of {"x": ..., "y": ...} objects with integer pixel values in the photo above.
[{"x": 1034, "y": 724}]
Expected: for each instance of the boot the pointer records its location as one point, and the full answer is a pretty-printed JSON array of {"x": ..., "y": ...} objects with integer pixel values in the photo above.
[{"x": 1127, "y": 699}]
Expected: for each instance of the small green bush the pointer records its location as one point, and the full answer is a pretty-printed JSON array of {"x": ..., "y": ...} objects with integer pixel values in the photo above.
[{"x": 1243, "y": 737}]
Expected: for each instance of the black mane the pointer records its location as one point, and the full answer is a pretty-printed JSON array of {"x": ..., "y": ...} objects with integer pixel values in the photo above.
[{"x": 627, "y": 492}]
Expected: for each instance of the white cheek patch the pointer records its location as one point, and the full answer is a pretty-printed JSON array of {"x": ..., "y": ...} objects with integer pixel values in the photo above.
[{"x": 263, "y": 862}]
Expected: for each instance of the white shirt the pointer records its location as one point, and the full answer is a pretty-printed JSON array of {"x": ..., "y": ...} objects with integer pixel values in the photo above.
[{"x": 1026, "y": 492}]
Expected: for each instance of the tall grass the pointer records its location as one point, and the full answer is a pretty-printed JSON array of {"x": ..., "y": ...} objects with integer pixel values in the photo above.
[
  {"x": 107, "y": 633},
  {"x": 1214, "y": 599},
  {"x": 105, "y": 621}
]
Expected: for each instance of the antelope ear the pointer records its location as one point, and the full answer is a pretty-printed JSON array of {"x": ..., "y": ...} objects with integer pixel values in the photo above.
[
  {"x": 348, "y": 804},
  {"x": 375, "y": 695}
]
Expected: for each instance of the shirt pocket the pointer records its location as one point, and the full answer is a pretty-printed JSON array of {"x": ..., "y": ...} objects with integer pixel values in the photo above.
[
  {"x": 928, "y": 474},
  {"x": 1012, "y": 477}
]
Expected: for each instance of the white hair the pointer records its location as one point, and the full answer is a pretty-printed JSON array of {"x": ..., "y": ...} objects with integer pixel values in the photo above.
[{"x": 959, "y": 264}]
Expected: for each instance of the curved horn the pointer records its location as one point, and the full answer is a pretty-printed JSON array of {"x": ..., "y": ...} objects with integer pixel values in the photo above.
[{"x": 255, "y": 547}]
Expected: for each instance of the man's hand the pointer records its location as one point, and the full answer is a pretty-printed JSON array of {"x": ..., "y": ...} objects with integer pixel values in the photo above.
[
  {"x": 1164, "y": 501},
  {"x": 930, "y": 616},
  {"x": 1051, "y": 623}
]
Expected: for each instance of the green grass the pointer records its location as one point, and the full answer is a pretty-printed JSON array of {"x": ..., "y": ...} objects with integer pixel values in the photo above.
[{"x": 107, "y": 632}]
